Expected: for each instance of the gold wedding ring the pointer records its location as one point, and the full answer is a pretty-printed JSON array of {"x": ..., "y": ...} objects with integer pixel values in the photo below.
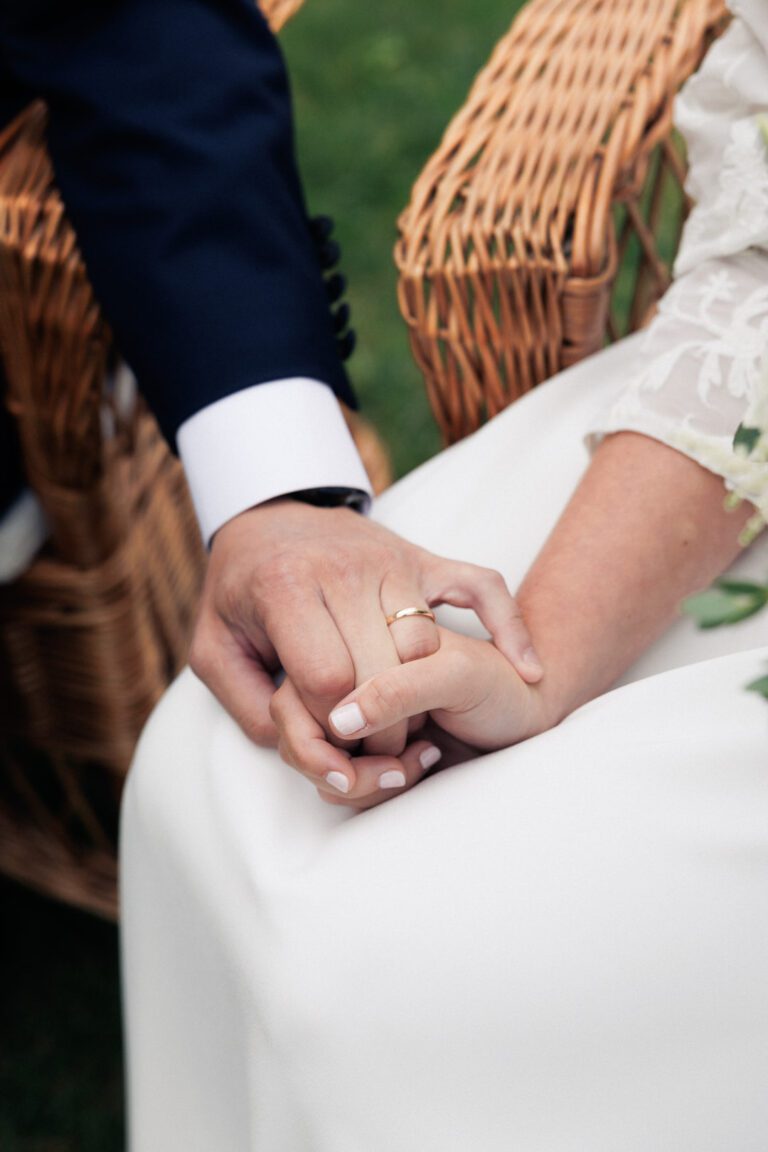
[{"x": 405, "y": 612}]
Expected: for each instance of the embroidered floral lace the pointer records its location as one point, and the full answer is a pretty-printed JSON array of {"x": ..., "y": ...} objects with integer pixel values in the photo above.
[{"x": 701, "y": 368}]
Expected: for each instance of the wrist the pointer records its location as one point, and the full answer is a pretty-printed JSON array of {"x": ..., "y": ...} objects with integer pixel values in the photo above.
[{"x": 546, "y": 708}]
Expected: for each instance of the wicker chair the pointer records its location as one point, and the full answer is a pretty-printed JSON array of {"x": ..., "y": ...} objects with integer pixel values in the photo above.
[
  {"x": 92, "y": 633},
  {"x": 547, "y": 220},
  {"x": 550, "y": 179}
]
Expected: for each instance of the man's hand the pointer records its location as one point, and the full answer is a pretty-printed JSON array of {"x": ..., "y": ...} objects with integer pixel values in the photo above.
[{"x": 308, "y": 589}]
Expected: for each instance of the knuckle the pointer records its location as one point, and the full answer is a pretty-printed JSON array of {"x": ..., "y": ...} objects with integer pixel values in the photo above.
[
  {"x": 494, "y": 581},
  {"x": 330, "y": 681},
  {"x": 201, "y": 656},
  {"x": 258, "y": 729}
]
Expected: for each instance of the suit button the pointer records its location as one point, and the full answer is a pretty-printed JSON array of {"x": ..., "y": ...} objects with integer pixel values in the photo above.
[
  {"x": 322, "y": 227},
  {"x": 329, "y": 253},
  {"x": 347, "y": 344},
  {"x": 335, "y": 286},
  {"x": 341, "y": 318}
]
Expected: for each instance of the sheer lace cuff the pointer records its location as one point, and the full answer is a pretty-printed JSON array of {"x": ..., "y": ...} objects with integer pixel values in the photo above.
[{"x": 701, "y": 370}]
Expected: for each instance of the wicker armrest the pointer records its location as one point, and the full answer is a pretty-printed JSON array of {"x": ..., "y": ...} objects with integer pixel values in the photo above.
[{"x": 560, "y": 170}]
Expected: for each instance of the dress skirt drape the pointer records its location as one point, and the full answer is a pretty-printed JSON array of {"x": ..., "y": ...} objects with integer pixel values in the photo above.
[{"x": 558, "y": 947}]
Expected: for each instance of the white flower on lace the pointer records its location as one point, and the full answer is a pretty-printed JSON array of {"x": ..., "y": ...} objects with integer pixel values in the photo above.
[
  {"x": 732, "y": 210},
  {"x": 729, "y": 348},
  {"x": 720, "y": 286},
  {"x": 744, "y": 175}
]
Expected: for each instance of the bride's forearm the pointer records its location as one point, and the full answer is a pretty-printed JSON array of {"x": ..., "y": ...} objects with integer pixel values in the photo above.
[{"x": 645, "y": 528}]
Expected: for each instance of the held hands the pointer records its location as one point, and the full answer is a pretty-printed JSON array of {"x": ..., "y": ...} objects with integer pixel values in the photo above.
[
  {"x": 308, "y": 589},
  {"x": 466, "y": 688}
]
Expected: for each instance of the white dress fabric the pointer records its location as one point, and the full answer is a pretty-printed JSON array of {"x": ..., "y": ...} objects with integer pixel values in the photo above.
[{"x": 558, "y": 947}]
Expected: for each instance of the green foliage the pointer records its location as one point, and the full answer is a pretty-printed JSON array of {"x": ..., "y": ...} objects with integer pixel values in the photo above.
[
  {"x": 760, "y": 685},
  {"x": 374, "y": 88},
  {"x": 726, "y": 602},
  {"x": 746, "y": 439}
]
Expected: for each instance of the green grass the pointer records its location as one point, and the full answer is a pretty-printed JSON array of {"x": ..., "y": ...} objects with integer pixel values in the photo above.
[{"x": 375, "y": 86}]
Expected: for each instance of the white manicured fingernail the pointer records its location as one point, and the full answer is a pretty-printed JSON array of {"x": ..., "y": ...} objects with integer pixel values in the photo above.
[
  {"x": 429, "y": 757},
  {"x": 392, "y": 779},
  {"x": 348, "y": 719},
  {"x": 338, "y": 781}
]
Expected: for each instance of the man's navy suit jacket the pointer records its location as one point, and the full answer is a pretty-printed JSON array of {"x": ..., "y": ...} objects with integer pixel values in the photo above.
[{"x": 171, "y": 136}]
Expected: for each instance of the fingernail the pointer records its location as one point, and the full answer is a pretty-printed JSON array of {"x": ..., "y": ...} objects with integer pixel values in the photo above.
[
  {"x": 392, "y": 779},
  {"x": 338, "y": 781},
  {"x": 429, "y": 757},
  {"x": 348, "y": 719},
  {"x": 531, "y": 659}
]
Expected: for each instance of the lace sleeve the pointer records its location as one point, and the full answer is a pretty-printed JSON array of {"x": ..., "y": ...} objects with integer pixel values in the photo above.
[{"x": 701, "y": 368}]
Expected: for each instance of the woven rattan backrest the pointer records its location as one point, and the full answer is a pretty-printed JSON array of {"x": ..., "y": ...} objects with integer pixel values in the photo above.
[
  {"x": 507, "y": 250},
  {"x": 57, "y": 346},
  {"x": 93, "y": 631}
]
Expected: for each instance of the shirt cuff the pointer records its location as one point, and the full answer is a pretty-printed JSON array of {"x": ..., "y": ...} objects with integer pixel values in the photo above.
[{"x": 266, "y": 441}]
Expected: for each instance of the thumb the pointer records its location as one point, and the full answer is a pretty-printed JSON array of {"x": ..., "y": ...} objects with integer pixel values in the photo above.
[{"x": 438, "y": 681}]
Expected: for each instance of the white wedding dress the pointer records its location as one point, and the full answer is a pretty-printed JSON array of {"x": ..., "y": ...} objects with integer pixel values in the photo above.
[{"x": 559, "y": 947}]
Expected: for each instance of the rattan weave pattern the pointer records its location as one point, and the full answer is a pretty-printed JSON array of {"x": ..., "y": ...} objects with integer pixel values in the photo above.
[
  {"x": 508, "y": 251},
  {"x": 91, "y": 634}
]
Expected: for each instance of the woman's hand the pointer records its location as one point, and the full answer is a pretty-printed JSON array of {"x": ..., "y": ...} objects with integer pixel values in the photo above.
[
  {"x": 469, "y": 691},
  {"x": 340, "y": 775},
  {"x": 467, "y": 688}
]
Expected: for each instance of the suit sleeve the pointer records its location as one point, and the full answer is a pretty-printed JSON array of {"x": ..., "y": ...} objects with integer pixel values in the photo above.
[{"x": 171, "y": 136}]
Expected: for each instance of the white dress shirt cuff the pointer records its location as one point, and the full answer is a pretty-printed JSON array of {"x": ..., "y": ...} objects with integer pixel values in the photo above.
[{"x": 266, "y": 441}]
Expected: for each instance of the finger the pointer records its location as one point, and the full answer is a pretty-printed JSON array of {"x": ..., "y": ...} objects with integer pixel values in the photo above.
[
  {"x": 416, "y": 723},
  {"x": 237, "y": 675},
  {"x": 441, "y": 681},
  {"x": 304, "y": 746},
  {"x": 485, "y": 591},
  {"x": 310, "y": 649},
  {"x": 380, "y": 778},
  {"x": 357, "y": 782},
  {"x": 372, "y": 649},
  {"x": 414, "y": 636}
]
